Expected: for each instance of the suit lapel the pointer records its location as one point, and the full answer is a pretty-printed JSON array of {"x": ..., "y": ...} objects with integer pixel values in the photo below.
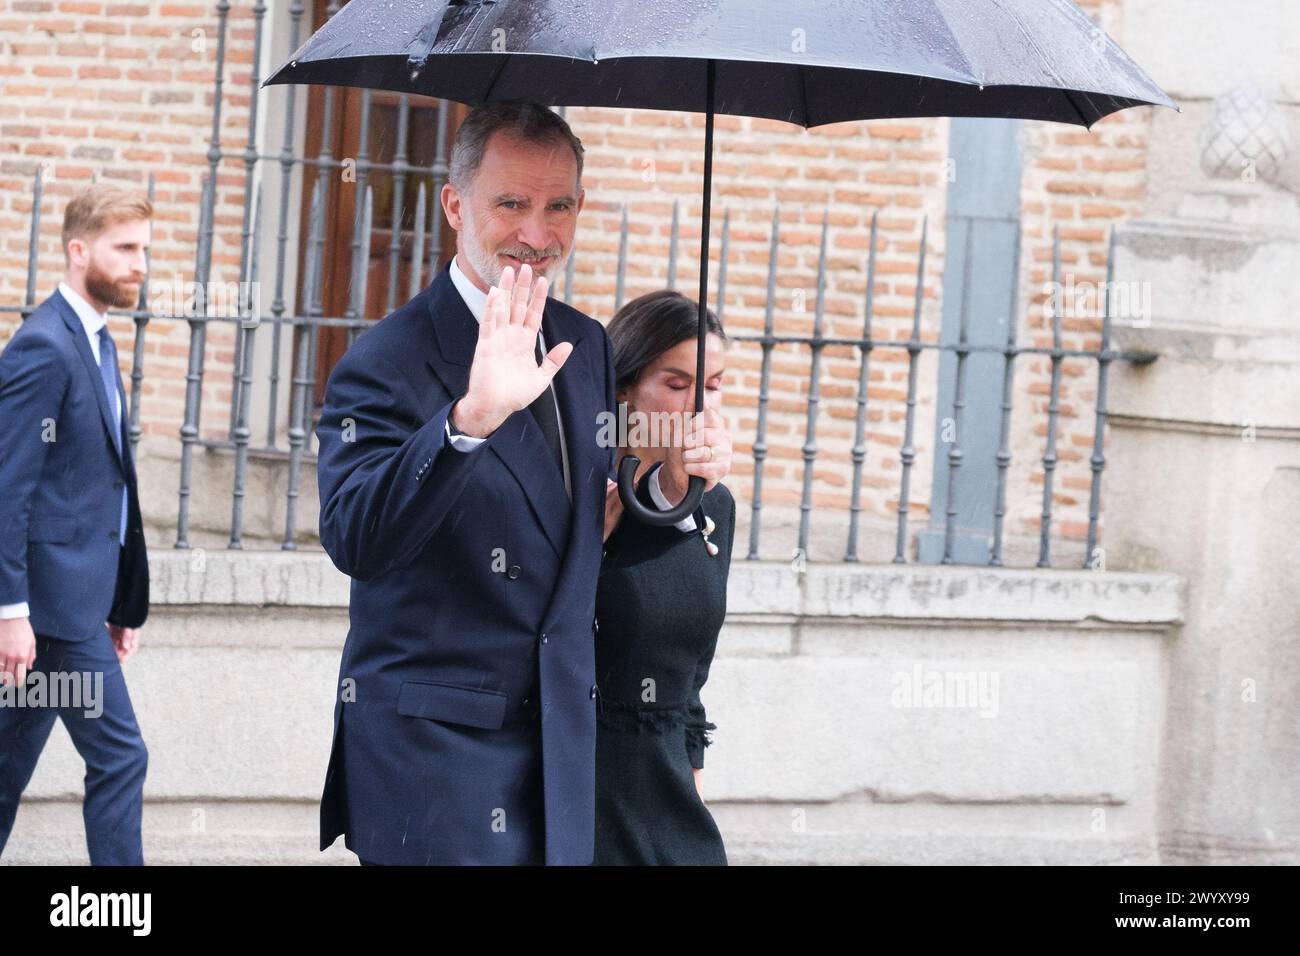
[
  {"x": 581, "y": 401},
  {"x": 82, "y": 345}
]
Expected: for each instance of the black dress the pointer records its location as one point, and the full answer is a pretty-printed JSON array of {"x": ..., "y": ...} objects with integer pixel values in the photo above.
[{"x": 660, "y": 603}]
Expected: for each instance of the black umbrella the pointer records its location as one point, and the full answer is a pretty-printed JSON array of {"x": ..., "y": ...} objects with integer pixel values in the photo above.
[{"x": 809, "y": 62}]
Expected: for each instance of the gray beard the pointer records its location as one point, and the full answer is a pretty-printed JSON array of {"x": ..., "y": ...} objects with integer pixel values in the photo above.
[{"x": 489, "y": 267}]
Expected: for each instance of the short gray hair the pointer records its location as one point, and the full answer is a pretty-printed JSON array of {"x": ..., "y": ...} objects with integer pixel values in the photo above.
[{"x": 528, "y": 120}]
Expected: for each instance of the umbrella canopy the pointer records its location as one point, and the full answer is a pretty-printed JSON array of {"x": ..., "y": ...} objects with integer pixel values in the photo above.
[{"x": 807, "y": 62}]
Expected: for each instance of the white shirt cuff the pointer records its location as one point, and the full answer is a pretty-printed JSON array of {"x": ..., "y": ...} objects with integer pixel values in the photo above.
[
  {"x": 657, "y": 495},
  {"x": 11, "y": 611},
  {"x": 461, "y": 442}
]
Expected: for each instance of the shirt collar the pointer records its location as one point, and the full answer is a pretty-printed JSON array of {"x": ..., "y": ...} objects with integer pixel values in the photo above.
[
  {"x": 92, "y": 321},
  {"x": 474, "y": 297}
]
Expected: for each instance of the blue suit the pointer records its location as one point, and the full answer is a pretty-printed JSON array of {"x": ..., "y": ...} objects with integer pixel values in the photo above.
[
  {"x": 464, "y": 729},
  {"x": 62, "y": 476}
]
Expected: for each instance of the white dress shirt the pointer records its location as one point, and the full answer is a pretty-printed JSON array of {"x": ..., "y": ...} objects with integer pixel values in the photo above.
[
  {"x": 92, "y": 322},
  {"x": 476, "y": 299}
]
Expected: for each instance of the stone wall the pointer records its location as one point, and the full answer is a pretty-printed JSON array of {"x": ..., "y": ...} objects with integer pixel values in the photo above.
[{"x": 833, "y": 744}]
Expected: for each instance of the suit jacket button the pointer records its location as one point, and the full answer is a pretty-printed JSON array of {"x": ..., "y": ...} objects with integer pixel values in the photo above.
[
  {"x": 543, "y": 637},
  {"x": 513, "y": 572},
  {"x": 593, "y": 691}
]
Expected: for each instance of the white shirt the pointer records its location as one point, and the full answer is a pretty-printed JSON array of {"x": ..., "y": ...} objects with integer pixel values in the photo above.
[
  {"x": 476, "y": 299},
  {"x": 92, "y": 322}
]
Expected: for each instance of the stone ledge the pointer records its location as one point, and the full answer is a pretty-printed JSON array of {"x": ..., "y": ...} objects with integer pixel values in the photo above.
[{"x": 926, "y": 592}]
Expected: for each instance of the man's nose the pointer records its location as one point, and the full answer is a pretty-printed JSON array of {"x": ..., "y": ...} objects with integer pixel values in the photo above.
[{"x": 534, "y": 231}]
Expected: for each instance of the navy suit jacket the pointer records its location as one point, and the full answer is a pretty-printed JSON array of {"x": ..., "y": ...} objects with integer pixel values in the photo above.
[
  {"x": 61, "y": 485},
  {"x": 473, "y": 597}
]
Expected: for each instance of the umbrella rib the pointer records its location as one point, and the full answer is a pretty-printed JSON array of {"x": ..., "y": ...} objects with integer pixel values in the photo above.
[
  {"x": 497, "y": 76},
  {"x": 1070, "y": 97},
  {"x": 803, "y": 97}
]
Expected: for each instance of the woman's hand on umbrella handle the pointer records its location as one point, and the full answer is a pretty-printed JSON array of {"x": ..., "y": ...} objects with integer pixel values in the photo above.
[{"x": 704, "y": 451}]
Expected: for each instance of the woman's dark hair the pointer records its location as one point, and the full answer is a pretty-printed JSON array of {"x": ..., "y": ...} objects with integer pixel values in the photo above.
[{"x": 649, "y": 326}]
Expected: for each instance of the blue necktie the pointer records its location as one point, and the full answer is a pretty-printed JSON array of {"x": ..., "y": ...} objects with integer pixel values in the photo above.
[{"x": 108, "y": 373}]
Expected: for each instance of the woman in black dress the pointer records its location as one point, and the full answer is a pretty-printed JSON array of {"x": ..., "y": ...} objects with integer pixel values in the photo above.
[{"x": 661, "y": 598}]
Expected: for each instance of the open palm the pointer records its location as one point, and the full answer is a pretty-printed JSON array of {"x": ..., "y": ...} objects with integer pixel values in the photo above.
[{"x": 504, "y": 376}]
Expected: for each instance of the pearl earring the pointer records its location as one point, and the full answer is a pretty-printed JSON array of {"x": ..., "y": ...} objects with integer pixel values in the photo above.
[{"x": 708, "y": 530}]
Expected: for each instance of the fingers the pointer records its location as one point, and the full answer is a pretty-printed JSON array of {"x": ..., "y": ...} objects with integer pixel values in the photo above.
[
  {"x": 125, "y": 642},
  {"x": 708, "y": 431},
  {"x": 529, "y": 299},
  {"x": 508, "y": 283},
  {"x": 555, "y": 358},
  {"x": 489, "y": 321},
  {"x": 708, "y": 448},
  {"x": 536, "y": 304},
  {"x": 519, "y": 295},
  {"x": 13, "y": 671},
  {"x": 518, "y": 300},
  {"x": 500, "y": 303}
]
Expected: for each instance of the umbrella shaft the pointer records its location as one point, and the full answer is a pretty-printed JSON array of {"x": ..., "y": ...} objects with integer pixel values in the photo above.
[{"x": 704, "y": 237}]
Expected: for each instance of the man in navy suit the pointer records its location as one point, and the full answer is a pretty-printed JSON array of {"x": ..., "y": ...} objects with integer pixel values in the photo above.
[
  {"x": 462, "y": 487},
  {"x": 72, "y": 550}
]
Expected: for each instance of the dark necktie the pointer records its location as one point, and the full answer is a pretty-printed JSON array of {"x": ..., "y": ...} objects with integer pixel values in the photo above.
[
  {"x": 543, "y": 409},
  {"x": 108, "y": 374}
]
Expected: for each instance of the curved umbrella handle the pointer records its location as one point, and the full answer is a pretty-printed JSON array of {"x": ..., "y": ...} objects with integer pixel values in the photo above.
[{"x": 627, "y": 494}]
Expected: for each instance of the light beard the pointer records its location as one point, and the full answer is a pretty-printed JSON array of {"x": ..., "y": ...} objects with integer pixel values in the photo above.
[
  {"x": 102, "y": 288},
  {"x": 489, "y": 267}
]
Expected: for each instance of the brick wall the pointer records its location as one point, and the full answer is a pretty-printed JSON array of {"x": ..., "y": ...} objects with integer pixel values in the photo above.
[{"x": 122, "y": 90}]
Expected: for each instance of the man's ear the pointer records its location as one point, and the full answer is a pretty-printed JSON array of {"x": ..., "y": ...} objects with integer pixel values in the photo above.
[
  {"x": 451, "y": 200},
  {"x": 582, "y": 198},
  {"x": 77, "y": 252}
]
